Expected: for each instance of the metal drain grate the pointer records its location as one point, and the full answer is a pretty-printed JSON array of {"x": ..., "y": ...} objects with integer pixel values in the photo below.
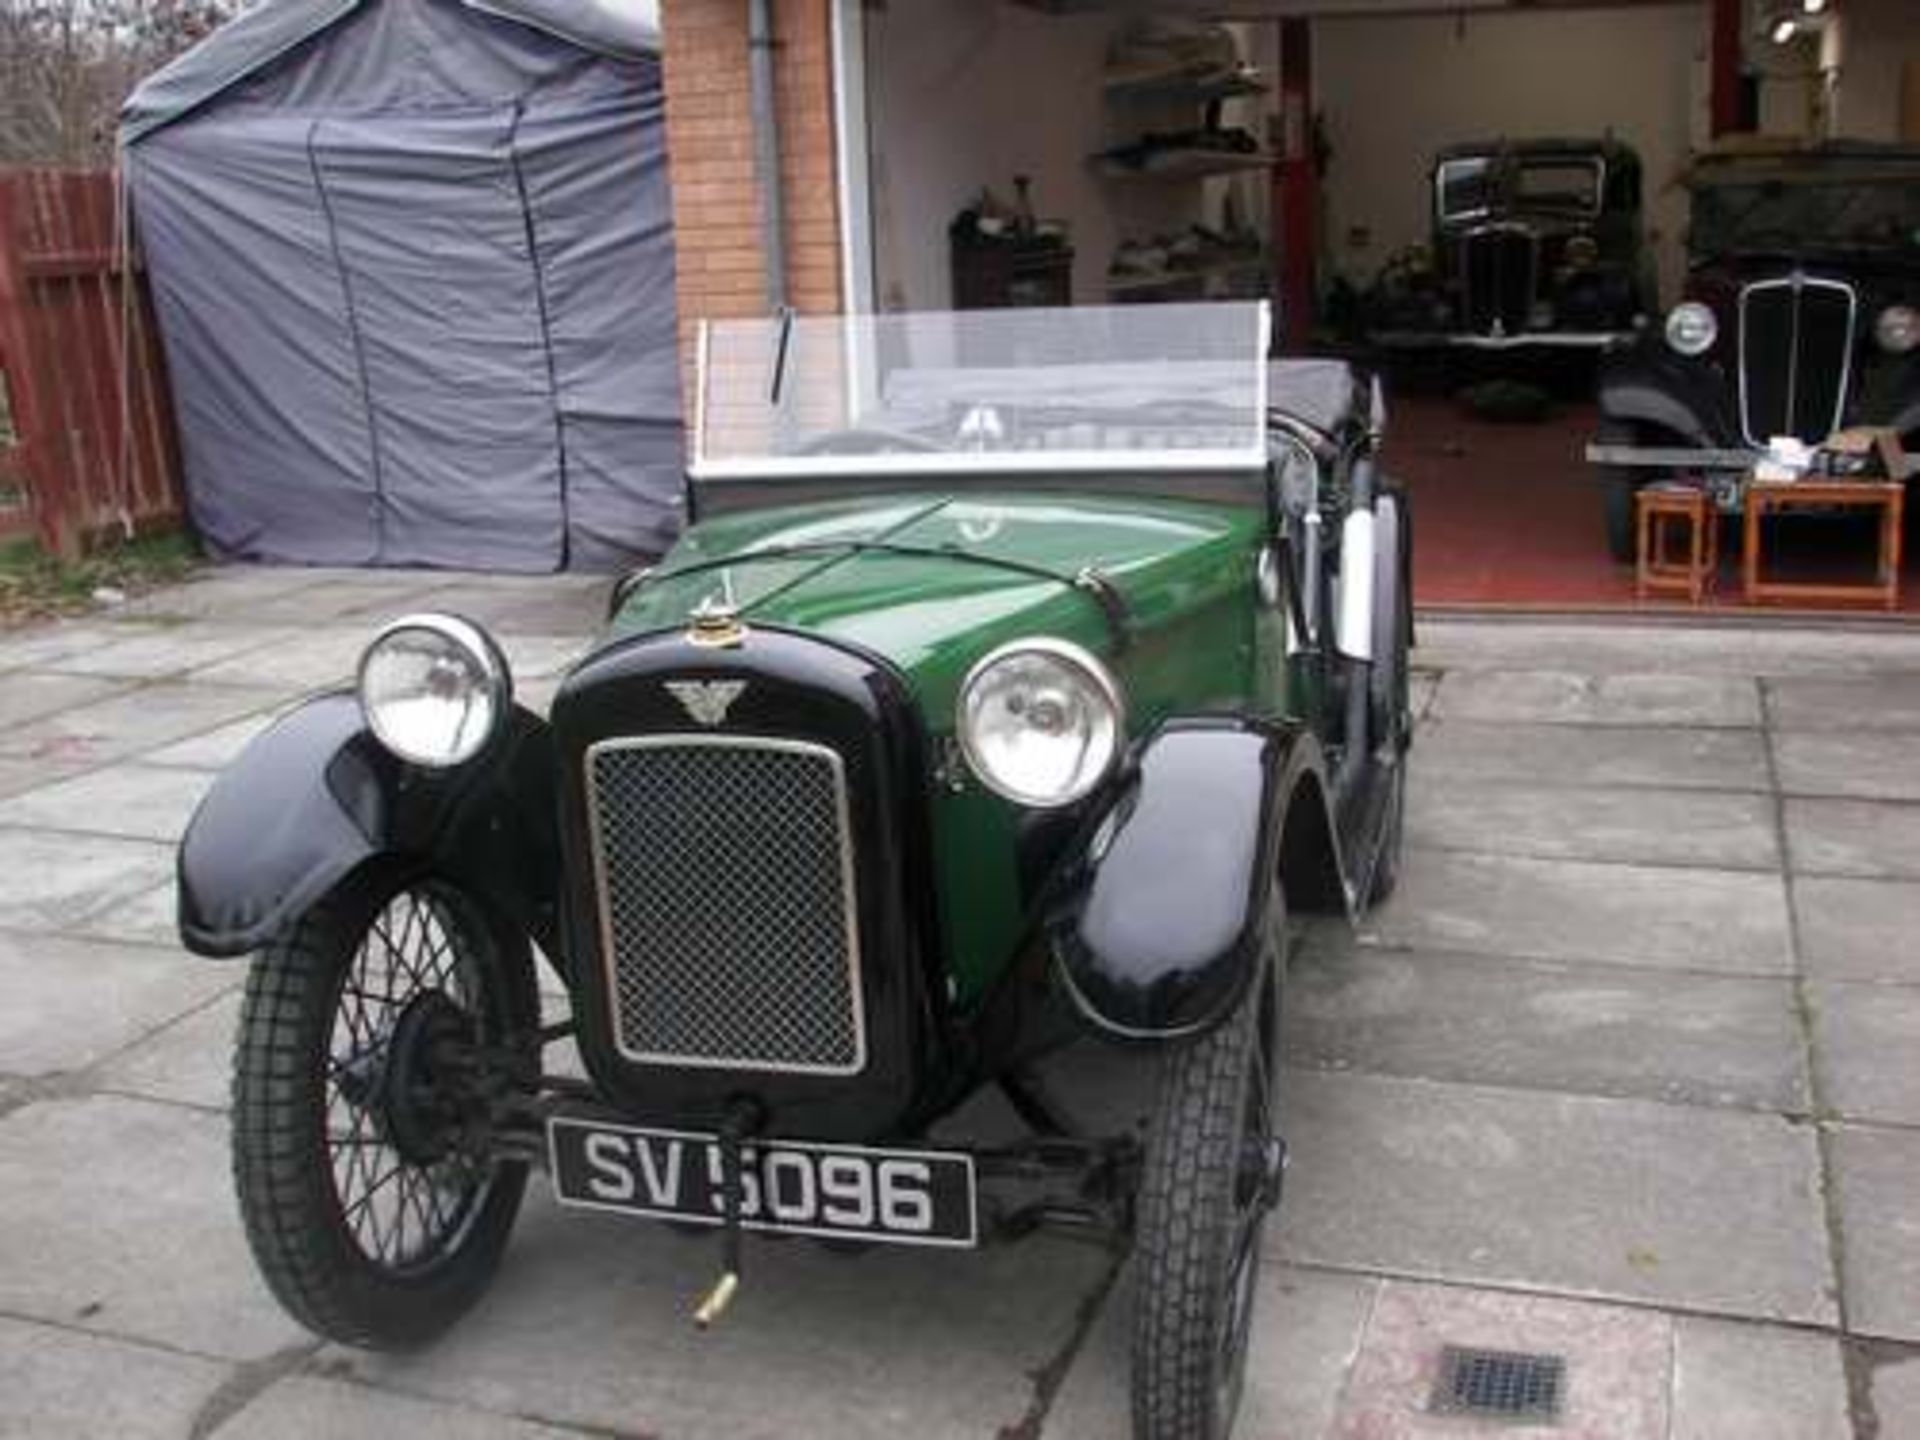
[{"x": 1499, "y": 1384}]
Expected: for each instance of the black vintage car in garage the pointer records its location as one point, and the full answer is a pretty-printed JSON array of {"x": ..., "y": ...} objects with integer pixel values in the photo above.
[
  {"x": 1536, "y": 243},
  {"x": 1801, "y": 317}
]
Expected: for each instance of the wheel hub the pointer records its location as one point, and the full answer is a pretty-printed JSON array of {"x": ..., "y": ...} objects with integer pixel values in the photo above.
[{"x": 400, "y": 1080}]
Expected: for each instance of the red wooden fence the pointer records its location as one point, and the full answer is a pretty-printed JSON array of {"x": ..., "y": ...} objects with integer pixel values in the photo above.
[{"x": 95, "y": 449}]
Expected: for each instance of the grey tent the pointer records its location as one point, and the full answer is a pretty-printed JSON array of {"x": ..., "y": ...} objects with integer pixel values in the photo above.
[{"x": 413, "y": 265}]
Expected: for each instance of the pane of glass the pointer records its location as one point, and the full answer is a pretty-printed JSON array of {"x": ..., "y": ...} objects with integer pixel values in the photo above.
[
  {"x": 1465, "y": 187},
  {"x": 1559, "y": 185},
  {"x": 1127, "y": 387}
]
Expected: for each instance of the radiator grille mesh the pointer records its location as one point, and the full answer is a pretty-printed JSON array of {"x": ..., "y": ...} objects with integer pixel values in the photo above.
[{"x": 724, "y": 870}]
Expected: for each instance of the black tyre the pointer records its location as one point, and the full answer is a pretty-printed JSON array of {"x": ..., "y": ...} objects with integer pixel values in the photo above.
[
  {"x": 1210, "y": 1174},
  {"x": 369, "y": 1216},
  {"x": 1618, "y": 486}
]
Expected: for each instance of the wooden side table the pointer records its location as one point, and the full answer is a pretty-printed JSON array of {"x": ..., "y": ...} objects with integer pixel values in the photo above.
[
  {"x": 1773, "y": 498},
  {"x": 1657, "y": 509}
]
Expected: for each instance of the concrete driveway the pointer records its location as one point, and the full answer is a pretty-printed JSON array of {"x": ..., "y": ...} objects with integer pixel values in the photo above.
[{"x": 1627, "y": 1075}]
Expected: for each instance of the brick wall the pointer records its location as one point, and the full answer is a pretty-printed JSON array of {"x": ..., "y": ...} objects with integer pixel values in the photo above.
[{"x": 716, "y": 195}]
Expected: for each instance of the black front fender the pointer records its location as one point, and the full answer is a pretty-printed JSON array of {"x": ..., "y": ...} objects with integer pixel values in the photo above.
[
  {"x": 317, "y": 797},
  {"x": 1161, "y": 918},
  {"x": 1649, "y": 386}
]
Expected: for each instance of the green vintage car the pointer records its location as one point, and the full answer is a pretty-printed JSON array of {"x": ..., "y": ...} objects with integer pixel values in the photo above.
[{"x": 1019, "y": 673}]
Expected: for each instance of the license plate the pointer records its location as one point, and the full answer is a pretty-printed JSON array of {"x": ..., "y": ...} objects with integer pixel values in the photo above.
[{"x": 902, "y": 1197}]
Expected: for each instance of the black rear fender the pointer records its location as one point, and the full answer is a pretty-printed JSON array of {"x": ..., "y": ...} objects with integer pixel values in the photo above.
[
  {"x": 317, "y": 799},
  {"x": 1161, "y": 918}
]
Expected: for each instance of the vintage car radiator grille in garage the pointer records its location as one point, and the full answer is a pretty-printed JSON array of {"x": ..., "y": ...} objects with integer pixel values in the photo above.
[
  {"x": 1796, "y": 342},
  {"x": 1497, "y": 265},
  {"x": 724, "y": 871}
]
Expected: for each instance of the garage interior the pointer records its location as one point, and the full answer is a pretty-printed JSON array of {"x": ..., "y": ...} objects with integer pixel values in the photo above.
[{"x": 1075, "y": 151}]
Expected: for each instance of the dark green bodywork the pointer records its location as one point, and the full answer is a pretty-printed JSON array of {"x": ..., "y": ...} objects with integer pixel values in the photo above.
[{"x": 1197, "y": 640}]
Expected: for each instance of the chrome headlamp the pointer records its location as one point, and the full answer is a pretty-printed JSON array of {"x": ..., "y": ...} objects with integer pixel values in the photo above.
[
  {"x": 1897, "y": 329},
  {"x": 1041, "y": 722},
  {"x": 435, "y": 689},
  {"x": 1692, "y": 328}
]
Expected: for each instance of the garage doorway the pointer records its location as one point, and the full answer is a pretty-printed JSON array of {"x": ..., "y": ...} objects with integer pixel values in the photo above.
[{"x": 1072, "y": 151}]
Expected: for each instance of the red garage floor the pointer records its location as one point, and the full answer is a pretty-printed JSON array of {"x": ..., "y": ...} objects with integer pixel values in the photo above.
[{"x": 1508, "y": 517}]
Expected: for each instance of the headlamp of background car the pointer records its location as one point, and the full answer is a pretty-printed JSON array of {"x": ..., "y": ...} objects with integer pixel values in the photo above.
[
  {"x": 1897, "y": 330},
  {"x": 434, "y": 689},
  {"x": 1692, "y": 328},
  {"x": 1041, "y": 722}
]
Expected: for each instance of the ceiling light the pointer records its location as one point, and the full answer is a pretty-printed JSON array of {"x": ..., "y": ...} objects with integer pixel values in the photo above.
[
  {"x": 1813, "y": 7},
  {"x": 1784, "y": 29}
]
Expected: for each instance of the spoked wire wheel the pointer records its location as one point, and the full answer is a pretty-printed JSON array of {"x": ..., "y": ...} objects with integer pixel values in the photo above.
[
  {"x": 372, "y": 1208},
  {"x": 1210, "y": 1177},
  {"x": 406, "y": 1195}
]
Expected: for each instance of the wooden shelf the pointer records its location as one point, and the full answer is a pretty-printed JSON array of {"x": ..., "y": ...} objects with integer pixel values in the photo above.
[
  {"x": 1180, "y": 84},
  {"x": 1172, "y": 279},
  {"x": 1183, "y": 165}
]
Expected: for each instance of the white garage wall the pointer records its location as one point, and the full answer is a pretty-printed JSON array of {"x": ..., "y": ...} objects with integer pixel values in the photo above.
[
  {"x": 1395, "y": 90},
  {"x": 965, "y": 93},
  {"x": 1875, "y": 40}
]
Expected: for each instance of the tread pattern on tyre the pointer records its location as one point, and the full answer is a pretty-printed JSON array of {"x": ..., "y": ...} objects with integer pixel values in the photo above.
[
  {"x": 281, "y": 1170},
  {"x": 1185, "y": 1233}
]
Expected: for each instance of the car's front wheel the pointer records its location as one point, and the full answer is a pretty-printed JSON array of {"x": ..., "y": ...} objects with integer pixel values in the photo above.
[
  {"x": 372, "y": 1209},
  {"x": 1619, "y": 484},
  {"x": 1210, "y": 1174}
]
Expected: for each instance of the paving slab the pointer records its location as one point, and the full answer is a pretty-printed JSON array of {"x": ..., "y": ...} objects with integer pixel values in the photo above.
[
  {"x": 1620, "y": 645},
  {"x": 1622, "y": 1199},
  {"x": 1853, "y": 837},
  {"x": 40, "y": 644},
  {"x": 27, "y": 695},
  {"x": 149, "y": 918},
  {"x": 150, "y": 652},
  {"x": 1858, "y": 929},
  {"x": 63, "y": 1385},
  {"x": 52, "y": 881},
  {"x": 1597, "y": 1030},
  {"x": 1662, "y": 917},
  {"x": 1867, "y": 1048},
  {"x": 223, "y": 592},
  {"x": 1616, "y": 1358},
  {"x": 19, "y": 776},
  {"x": 1893, "y": 1390},
  {"x": 535, "y": 658},
  {"x": 304, "y": 1407},
  {"x": 140, "y": 719},
  {"x": 1306, "y": 1330},
  {"x": 1725, "y": 830},
  {"x": 121, "y": 1221},
  {"x": 322, "y": 658},
  {"x": 1877, "y": 1176},
  {"x": 1735, "y": 1381},
  {"x": 1874, "y": 765},
  {"x": 190, "y": 1061},
  {"x": 1422, "y": 686},
  {"x": 1613, "y": 755},
  {"x": 365, "y": 595},
  {"x": 544, "y": 609},
  {"x": 214, "y": 750},
  {"x": 588, "y": 1326},
  {"x": 1566, "y": 697},
  {"x": 71, "y": 1003},
  {"x": 1873, "y": 702},
  {"x": 143, "y": 802}
]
